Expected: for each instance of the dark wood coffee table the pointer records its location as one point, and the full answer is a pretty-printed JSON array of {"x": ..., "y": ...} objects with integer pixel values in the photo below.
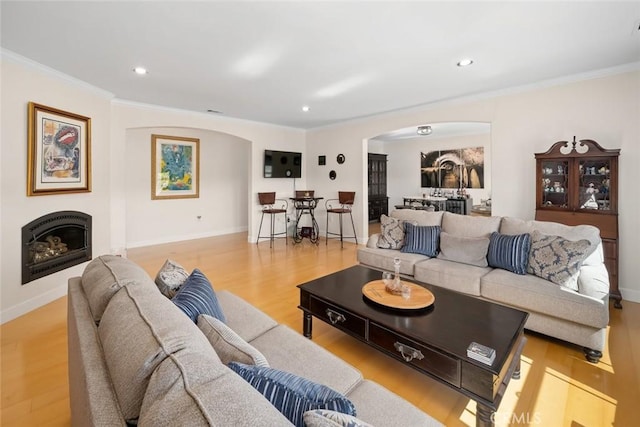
[{"x": 433, "y": 341}]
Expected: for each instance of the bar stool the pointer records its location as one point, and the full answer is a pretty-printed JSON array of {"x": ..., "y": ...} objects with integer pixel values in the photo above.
[
  {"x": 268, "y": 200},
  {"x": 345, "y": 200}
]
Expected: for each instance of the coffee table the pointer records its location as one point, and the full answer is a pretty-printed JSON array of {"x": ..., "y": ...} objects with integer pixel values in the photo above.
[{"x": 433, "y": 340}]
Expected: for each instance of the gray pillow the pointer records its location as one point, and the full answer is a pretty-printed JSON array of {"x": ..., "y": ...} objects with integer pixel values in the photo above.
[
  {"x": 557, "y": 259},
  {"x": 227, "y": 344},
  {"x": 328, "y": 418},
  {"x": 466, "y": 250},
  {"x": 170, "y": 277}
]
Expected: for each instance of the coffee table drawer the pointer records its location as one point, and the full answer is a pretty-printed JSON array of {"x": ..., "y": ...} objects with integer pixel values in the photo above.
[
  {"x": 421, "y": 357},
  {"x": 338, "y": 317}
]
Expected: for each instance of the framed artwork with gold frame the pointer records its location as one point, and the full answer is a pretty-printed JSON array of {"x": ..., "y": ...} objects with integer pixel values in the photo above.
[
  {"x": 175, "y": 167},
  {"x": 59, "y": 151}
]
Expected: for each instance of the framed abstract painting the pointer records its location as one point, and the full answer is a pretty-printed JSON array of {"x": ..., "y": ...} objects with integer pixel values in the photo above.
[
  {"x": 175, "y": 167},
  {"x": 59, "y": 151}
]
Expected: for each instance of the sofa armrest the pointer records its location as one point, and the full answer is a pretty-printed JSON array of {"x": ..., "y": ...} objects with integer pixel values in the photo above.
[
  {"x": 593, "y": 281},
  {"x": 373, "y": 240}
]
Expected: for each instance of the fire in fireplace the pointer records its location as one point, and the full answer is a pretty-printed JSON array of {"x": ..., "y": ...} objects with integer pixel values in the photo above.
[{"x": 54, "y": 242}]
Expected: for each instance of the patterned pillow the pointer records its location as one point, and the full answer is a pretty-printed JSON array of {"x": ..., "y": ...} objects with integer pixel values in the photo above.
[
  {"x": 170, "y": 277},
  {"x": 421, "y": 239},
  {"x": 196, "y": 297},
  {"x": 509, "y": 252},
  {"x": 327, "y": 418},
  {"x": 227, "y": 344},
  {"x": 556, "y": 259},
  {"x": 292, "y": 395},
  {"x": 391, "y": 233}
]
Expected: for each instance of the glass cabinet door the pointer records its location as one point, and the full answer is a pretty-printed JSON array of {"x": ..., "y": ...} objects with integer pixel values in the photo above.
[
  {"x": 594, "y": 185},
  {"x": 555, "y": 183}
]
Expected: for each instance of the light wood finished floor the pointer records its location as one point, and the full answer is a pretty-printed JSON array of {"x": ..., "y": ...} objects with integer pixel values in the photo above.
[{"x": 558, "y": 387}]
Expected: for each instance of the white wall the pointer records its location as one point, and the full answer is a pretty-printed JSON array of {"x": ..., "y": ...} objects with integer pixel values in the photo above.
[
  {"x": 403, "y": 166},
  {"x": 605, "y": 109},
  {"x": 22, "y": 82},
  {"x": 224, "y": 184}
]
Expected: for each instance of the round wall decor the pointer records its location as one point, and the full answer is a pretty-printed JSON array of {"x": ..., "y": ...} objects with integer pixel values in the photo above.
[
  {"x": 332, "y": 175},
  {"x": 340, "y": 159}
]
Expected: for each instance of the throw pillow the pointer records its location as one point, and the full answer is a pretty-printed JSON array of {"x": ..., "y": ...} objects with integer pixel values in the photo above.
[
  {"x": 509, "y": 252},
  {"x": 391, "y": 233},
  {"x": 557, "y": 259},
  {"x": 292, "y": 395},
  {"x": 196, "y": 297},
  {"x": 466, "y": 250},
  {"x": 421, "y": 239},
  {"x": 327, "y": 418},
  {"x": 227, "y": 344},
  {"x": 170, "y": 277}
]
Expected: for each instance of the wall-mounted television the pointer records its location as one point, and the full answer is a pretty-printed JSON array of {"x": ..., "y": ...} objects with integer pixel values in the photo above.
[{"x": 282, "y": 164}]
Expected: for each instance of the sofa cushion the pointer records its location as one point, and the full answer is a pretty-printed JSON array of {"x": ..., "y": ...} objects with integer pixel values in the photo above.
[
  {"x": 421, "y": 239},
  {"x": 245, "y": 319},
  {"x": 139, "y": 329},
  {"x": 191, "y": 388},
  {"x": 533, "y": 294},
  {"x": 104, "y": 276},
  {"x": 196, "y": 297},
  {"x": 469, "y": 226},
  {"x": 452, "y": 275},
  {"x": 557, "y": 259},
  {"x": 466, "y": 250},
  {"x": 227, "y": 344},
  {"x": 509, "y": 252},
  {"x": 170, "y": 277},
  {"x": 329, "y": 418},
  {"x": 289, "y": 351},
  {"x": 418, "y": 217},
  {"x": 391, "y": 233},
  {"x": 291, "y": 394},
  {"x": 383, "y": 259},
  {"x": 395, "y": 412}
]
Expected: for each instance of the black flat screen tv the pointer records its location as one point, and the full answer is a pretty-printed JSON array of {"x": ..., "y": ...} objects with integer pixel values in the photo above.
[{"x": 282, "y": 164}]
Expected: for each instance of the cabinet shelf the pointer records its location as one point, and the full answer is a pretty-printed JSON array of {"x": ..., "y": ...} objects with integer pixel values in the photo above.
[{"x": 588, "y": 174}]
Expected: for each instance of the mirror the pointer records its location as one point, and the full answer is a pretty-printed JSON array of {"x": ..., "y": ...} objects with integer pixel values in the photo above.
[{"x": 454, "y": 158}]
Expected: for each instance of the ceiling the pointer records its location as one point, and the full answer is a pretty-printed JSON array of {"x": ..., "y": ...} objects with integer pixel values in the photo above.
[{"x": 263, "y": 61}]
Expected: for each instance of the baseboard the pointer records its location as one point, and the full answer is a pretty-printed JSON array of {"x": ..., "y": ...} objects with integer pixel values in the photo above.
[
  {"x": 172, "y": 239},
  {"x": 33, "y": 303},
  {"x": 632, "y": 295}
]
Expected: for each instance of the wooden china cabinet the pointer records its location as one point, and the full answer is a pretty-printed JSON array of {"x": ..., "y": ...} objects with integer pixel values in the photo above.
[{"x": 577, "y": 183}]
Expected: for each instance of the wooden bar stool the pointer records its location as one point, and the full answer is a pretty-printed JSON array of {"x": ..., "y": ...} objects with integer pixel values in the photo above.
[
  {"x": 268, "y": 200},
  {"x": 343, "y": 206}
]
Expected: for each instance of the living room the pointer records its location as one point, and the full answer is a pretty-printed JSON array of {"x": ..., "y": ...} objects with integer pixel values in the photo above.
[{"x": 597, "y": 104}]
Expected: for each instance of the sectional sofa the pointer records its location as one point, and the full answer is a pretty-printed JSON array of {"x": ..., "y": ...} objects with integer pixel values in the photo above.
[
  {"x": 553, "y": 271},
  {"x": 137, "y": 357}
]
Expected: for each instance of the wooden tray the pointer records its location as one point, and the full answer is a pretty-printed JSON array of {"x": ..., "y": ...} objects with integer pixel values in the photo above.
[{"x": 420, "y": 297}]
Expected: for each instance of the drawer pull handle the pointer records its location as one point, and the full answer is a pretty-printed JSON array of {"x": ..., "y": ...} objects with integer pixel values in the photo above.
[
  {"x": 335, "y": 317},
  {"x": 408, "y": 353}
]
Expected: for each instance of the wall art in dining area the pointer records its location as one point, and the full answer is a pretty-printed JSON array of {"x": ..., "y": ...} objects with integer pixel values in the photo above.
[{"x": 453, "y": 168}]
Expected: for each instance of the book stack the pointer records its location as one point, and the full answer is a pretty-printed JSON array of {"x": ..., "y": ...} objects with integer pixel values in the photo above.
[{"x": 481, "y": 353}]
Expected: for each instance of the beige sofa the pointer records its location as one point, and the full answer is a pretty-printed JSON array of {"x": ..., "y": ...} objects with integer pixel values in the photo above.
[
  {"x": 579, "y": 316},
  {"x": 135, "y": 357}
]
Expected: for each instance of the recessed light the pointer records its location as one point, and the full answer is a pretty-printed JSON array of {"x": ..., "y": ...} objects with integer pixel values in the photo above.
[
  {"x": 140, "y": 70},
  {"x": 465, "y": 62},
  {"x": 305, "y": 108}
]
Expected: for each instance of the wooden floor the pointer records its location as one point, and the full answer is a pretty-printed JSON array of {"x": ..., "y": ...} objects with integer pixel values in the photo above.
[{"x": 557, "y": 388}]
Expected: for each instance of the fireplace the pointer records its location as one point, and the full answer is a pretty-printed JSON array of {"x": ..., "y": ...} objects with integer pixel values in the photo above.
[{"x": 54, "y": 242}]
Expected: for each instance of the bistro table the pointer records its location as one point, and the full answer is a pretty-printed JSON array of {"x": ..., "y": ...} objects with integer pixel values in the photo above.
[{"x": 306, "y": 205}]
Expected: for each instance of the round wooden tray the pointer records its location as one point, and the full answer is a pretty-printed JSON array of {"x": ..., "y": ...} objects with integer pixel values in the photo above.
[{"x": 420, "y": 297}]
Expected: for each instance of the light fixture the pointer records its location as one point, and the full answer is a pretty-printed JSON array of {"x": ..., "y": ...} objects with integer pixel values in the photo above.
[
  {"x": 464, "y": 62},
  {"x": 305, "y": 108},
  {"x": 140, "y": 70},
  {"x": 424, "y": 130}
]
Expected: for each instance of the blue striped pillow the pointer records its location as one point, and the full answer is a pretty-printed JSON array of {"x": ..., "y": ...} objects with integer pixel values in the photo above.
[
  {"x": 421, "y": 239},
  {"x": 196, "y": 297},
  {"x": 290, "y": 394},
  {"x": 509, "y": 252}
]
